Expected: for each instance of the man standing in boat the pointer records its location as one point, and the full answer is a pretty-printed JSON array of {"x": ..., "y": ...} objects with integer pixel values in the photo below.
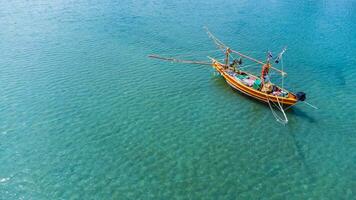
[
  {"x": 266, "y": 85},
  {"x": 265, "y": 69},
  {"x": 264, "y": 72}
]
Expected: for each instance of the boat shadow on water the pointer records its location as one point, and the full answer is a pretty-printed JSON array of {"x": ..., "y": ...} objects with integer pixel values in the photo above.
[
  {"x": 300, "y": 157},
  {"x": 300, "y": 113}
]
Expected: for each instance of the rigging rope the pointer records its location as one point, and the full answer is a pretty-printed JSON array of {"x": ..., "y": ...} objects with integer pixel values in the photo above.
[
  {"x": 278, "y": 118},
  {"x": 316, "y": 108},
  {"x": 281, "y": 119}
]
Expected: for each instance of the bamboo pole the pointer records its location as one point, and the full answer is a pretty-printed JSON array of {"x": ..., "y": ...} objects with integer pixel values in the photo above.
[
  {"x": 179, "y": 60},
  {"x": 257, "y": 61}
]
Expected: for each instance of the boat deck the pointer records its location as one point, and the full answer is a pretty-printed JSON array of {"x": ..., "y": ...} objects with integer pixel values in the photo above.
[{"x": 251, "y": 86}]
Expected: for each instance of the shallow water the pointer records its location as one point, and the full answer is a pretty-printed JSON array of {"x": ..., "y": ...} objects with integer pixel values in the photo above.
[{"x": 85, "y": 114}]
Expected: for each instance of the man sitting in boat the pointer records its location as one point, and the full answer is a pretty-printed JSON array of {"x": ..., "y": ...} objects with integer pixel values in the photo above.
[
  {"x": 235, "y": 64},
  {"x": 267, "y": 87}
]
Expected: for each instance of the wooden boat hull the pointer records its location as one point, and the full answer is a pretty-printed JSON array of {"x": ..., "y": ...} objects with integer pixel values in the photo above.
[{"x": 290, "y": 100}]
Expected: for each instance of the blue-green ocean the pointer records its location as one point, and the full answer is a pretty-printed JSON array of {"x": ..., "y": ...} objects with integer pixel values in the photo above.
[{"x": 85, "y": 114}]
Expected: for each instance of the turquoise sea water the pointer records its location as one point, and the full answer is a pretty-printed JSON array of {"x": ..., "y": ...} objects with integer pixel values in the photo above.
[{"x": 86, "y": 115}]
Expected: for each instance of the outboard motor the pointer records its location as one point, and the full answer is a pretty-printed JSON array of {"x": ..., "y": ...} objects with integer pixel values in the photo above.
[{"x": 301, "y": 96}]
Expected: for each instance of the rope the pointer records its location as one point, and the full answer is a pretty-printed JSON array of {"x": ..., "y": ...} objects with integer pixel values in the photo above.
[
  {"x": 278, "y": 118},
  {"x": 316, "y": 108},
  {"x": 217, "y": 42},
  {"x": 283, "y": 120}
]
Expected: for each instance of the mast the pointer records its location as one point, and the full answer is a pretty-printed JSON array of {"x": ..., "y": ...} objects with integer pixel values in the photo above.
[{"x": 227, "y": 54}]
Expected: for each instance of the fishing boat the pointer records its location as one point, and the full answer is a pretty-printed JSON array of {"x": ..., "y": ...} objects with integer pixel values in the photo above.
[{"x": 258, "y": 87}]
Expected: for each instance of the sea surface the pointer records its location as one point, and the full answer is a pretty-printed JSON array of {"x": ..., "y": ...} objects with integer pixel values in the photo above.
[{"x": 85, "y": 114}]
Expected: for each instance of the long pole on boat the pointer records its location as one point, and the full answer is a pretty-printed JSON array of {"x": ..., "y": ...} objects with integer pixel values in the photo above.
[
  {"x": 222, "y": 46},
  {"x": 257, "y": 61},
  {"x": 179, "y": 60}
]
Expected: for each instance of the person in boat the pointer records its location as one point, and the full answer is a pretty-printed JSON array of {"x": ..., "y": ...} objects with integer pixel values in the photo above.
[
  {"x": 264, "y": 72},
  {"x": 235, "y": 64},
  {"x": 266, "y": 85},
  {"x": 265, "y": 68}
]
